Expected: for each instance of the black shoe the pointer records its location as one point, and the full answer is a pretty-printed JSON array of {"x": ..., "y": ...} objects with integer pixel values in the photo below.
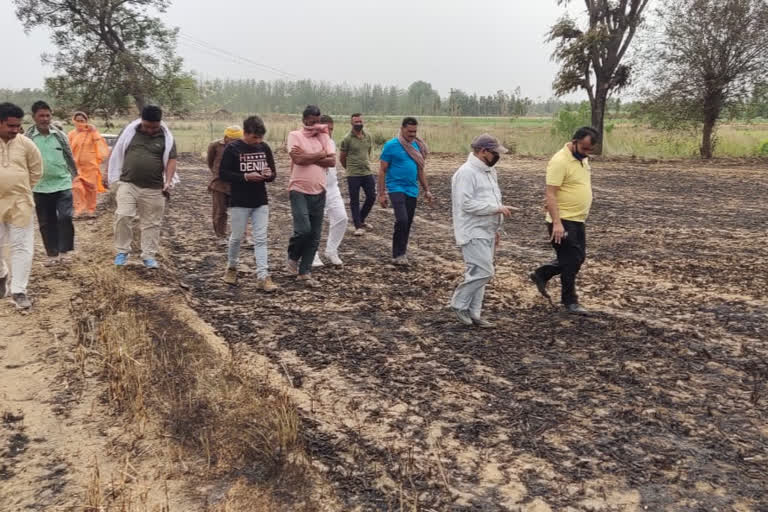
[
  {"x": 575, "y": 309},
  {"x": 541, "y": 285}
]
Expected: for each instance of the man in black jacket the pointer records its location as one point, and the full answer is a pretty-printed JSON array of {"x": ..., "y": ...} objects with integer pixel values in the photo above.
[{"x": 248, "y": 164}]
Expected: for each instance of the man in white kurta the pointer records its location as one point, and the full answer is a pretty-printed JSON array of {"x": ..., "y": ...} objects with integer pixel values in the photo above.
[
  {"x": 335, "y": 212},
  {"x": 21, "y": 167}
]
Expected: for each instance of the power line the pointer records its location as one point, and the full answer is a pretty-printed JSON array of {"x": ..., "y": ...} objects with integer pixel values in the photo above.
[{"x": 200, "y": 44}]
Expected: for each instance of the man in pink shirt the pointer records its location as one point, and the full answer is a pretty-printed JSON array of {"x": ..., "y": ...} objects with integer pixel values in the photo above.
[{"x": 311, "y": 154}]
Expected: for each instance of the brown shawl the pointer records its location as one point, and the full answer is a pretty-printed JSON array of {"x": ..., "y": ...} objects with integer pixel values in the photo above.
[{"x": 419, "y": 156}]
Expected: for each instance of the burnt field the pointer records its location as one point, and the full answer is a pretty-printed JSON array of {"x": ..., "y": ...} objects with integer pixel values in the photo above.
[{"x": 656, "y": 402}]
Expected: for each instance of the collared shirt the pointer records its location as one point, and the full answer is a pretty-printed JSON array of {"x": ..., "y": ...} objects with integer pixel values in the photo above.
[
  {"x": 21, "y": 167},
  {"x": 143, "y": 164},
  {"x": 308, "y": 179},
  {"x": 476, "y": 200},
  {"x": 58, "y": 163},
  {"x": 358, "y": 150},
  {"x": 402, "y": 173},
  {"x": 574, "y": 177},
  {"x": 215, "y": 152}
]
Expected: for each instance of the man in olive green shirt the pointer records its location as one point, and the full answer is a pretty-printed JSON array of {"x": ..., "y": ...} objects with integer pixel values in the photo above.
[
  {"x": 355, "y": 152},
  {"x": 144, "y": 160},
  {"x": 53, "y": 193}
]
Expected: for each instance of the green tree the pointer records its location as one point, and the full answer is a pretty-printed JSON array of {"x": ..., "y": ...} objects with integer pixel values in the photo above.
[
  {"x": 422, "y": 98},
  {"x": 591, "y": 57},
  {"x": 110, "y": 53},
  {"x": 711, "y": 57}
]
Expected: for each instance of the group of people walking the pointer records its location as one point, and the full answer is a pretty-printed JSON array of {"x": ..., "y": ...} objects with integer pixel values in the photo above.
[
  {"x": 48, "y": 174},
  {"x": 242, "y": 164},
  {"x": 57, "y": 175}
]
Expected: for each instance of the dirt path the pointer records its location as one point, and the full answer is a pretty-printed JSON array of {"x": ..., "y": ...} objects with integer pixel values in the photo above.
[
  {"x": 63, "y": 447},
  {"x": 52, "y": 429},
  {"x": 657, "y": 402}
]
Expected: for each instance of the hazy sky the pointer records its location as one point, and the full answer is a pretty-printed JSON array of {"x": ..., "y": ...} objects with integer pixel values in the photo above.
[{"x": 467, "y": 44}]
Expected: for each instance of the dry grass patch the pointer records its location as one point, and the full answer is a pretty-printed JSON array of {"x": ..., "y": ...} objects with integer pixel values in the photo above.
[{"x": 160, "y": 372}]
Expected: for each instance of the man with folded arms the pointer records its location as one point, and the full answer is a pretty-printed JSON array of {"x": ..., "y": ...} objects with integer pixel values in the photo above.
[{"x": 311, "y": 154}]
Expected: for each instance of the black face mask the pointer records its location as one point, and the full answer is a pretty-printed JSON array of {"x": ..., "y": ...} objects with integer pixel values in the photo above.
[
  {"x": 494, "y": 160},
  {"x": 575, "y": 152},
  {"x": 357, "y": 127}
]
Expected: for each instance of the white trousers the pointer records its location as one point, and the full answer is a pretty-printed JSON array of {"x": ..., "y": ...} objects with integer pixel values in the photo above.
[
  {"x": 336, "y": 214},
  {"x": 478, "y": 258},
  {"x": 21, "y": 242}
]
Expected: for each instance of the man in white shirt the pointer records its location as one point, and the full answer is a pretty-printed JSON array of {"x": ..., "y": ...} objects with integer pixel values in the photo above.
[{"x": 478, "y": 213}]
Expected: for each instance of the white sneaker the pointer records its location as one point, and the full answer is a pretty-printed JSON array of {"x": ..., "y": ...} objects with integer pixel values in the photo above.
[
  {"x": 52, "y": 261},
  {"x": 317, "y": 262},
  {"x": 334, "y": 259},
  {"x": 359, "y": 232}
]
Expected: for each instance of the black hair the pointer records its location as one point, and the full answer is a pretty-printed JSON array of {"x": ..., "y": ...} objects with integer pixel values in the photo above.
[
  {"x": 10, "y": 110},
  {"x": 152, "y": 113},
  {"x": 39, "y": 105},
  {"x": 409, "y": 121},
  {"x": 587, "y": 130},
  {"x": 311, "y": 110},
  {"x": 255, "y": 126},
  {"x": 325, "y": 119},
  {"x": 356, "y": 114}
]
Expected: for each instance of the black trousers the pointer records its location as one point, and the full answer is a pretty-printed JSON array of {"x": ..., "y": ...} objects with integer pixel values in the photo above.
[
  {"x": 54, "y": 215},
  {"x": 368, "y": 184},
  {"x": 571, "y": 253},
  {"x": 405, "y": 209}
]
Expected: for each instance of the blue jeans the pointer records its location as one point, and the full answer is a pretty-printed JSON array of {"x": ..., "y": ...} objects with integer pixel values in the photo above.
[{"x": 259, "y": 222}]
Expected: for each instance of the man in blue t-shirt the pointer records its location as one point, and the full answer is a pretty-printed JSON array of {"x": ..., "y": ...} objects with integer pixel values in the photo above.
[{"x": 400, "y": 172}]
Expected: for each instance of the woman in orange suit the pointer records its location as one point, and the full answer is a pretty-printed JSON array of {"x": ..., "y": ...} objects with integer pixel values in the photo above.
[{"x": 89, "y": 149}]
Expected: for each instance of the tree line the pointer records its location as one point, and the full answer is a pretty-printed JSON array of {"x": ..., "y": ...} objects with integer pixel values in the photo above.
[
  {"x": 280, "y": 96},
  {"x": 420, "y": 98}
]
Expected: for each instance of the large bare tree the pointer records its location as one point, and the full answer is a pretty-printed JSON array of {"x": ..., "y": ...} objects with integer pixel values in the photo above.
[
  {"x": 709, "y": 56},
  {"x": 591, "y": 57},
  {"x": 109, "y": 52}
]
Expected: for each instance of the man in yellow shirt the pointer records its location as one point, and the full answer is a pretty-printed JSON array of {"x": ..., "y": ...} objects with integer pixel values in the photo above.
[
  {"x": 569, "y": 198},
  {"x": 21, "y": 167}
]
